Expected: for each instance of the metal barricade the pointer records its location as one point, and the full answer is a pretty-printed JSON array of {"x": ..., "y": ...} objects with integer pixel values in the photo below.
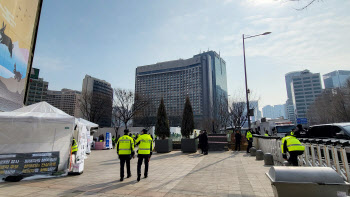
[{"x": 318, "y": 153}]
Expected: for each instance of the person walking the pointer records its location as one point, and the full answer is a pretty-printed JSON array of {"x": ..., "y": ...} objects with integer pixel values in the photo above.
[
  {"x": 205, "y": 142},
  {"x": 113, "y": 142},
  {"x": 125, "y": 150},
  {"x": 238, "y": 137},
  {"x": 144, "y": 153},
  {"x": 293, "y": 146},
  {"x": 249, "y": 137}
]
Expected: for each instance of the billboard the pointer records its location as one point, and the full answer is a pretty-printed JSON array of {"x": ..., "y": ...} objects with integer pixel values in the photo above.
[{"x": 18, "y": 27}]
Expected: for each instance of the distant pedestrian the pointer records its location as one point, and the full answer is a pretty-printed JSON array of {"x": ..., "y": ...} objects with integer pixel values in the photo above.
[
  {"x": 249, "y": 137},
  {"x": 125, "y": 150},
  {"x": 205, "y": 142},
  {"x": 144, "y": 152},
  {"x": 266, "y": 134},
  {"x": 200, "y": 141},
  {"x": 238, "y": 137}
]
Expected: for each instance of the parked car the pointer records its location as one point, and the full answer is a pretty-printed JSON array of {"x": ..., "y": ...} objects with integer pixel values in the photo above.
[{"x": 335, "y": 130}]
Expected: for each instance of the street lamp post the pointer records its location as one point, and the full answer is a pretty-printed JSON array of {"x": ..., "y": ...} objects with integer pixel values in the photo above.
[{"x": 245, "y": 73}]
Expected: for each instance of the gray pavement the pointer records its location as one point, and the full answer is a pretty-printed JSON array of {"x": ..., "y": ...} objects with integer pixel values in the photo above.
[{"x": 171, "y": 174}]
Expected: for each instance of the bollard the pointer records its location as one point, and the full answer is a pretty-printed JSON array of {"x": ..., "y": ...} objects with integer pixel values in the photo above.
[
  {"x": 268, "y": 159},
  {"x": 252, "y": 151},
  {"x": 259, "y": 155}
]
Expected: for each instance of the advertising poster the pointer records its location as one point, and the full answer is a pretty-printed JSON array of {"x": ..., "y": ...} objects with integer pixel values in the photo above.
[
  {"x": 18, "y": 26},
  {"x": 28, "y": 164}
]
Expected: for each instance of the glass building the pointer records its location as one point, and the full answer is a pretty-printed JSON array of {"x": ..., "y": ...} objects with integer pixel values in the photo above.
[
  {"x": 202, "y": 78},
  {"x": 336, "y": 79}
]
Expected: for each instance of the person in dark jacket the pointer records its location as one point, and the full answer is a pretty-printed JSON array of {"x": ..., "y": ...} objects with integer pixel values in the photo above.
[
  {"x": 200, "y": 139},
  {"x": 205, "y": 142},
  {"x": 238, "y": 137}
]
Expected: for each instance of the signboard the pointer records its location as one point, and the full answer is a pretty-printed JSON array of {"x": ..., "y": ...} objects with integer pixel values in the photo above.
[
  {"x": 18, "y": 27},
  {"x": 108, "y": 141},
  {"x": 28, "y": 163},
  {"x": 301, "y": 120}
]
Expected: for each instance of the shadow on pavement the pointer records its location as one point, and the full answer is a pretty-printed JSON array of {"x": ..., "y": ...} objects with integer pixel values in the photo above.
[
  {"x": 158, "y": 156},
  {"x": 96, "y": 188}
]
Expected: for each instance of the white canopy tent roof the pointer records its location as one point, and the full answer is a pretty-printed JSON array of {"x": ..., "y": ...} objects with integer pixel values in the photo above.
[{"x": 37, "y": 128}]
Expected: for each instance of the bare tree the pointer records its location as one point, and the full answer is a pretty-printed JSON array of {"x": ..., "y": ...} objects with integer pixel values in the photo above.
[
  {"x": 308, "y": 3},
  {"x": 128, "y": 104},
  {"x": 93, "y": 106},
  {"x": 333, "y": 105},
  {"x": 223, "y": 112},
  {"x": 116, "y": 123}
]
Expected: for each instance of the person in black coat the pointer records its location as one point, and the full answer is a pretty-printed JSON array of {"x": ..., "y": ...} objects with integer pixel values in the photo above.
[
  {"x": 238, "y": 137},
  {"x": 205, "y": 142}
]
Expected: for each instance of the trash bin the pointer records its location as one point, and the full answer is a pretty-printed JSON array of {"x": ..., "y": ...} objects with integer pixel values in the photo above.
[{"x": 307, "y": 181}]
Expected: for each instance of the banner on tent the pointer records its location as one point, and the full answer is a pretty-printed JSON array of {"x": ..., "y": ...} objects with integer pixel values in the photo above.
[{"x": 28, "y": 163}]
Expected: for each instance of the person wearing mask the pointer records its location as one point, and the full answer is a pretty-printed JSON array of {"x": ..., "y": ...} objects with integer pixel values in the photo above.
[
  {"x": 293, "y": 146},
  {"x": 249, "y": 137},
  {"x": 125, "y": 150},
  {"x": 238, "y": 137},
  {"x": 144, "y": 152}
]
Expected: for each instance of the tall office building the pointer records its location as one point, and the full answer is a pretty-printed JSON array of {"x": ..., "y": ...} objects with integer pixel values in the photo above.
[
  {"x": 37, "y": 88},
  {"x": 276, "y": 111},
  {"x": 305, "y": 88},
  {"x": 65, "y": 100},
  {"x": 289, "y": 103},
  {"x": 202, "y": 78},
  {"x": 336, "y": 79},
  {"x": 101, "y": 94},
  {"x": 257, "y": 113}
]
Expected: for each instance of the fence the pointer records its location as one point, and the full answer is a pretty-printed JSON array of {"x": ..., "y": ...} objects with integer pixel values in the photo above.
[{"x": 332, "y": 153}]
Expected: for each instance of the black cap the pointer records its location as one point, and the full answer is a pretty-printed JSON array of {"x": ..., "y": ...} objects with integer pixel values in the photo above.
[
  {"x": 126, "y": 131},
  {"x": 144, "y": 131}
]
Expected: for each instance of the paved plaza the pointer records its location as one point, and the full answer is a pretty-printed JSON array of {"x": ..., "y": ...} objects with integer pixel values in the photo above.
[{"x": 172, "y": 174}]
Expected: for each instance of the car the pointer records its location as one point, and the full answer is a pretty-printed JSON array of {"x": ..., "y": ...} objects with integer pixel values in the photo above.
[{"x": 334, "y": 130}]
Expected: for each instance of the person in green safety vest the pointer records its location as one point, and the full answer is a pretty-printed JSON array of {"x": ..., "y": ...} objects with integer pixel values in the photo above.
[
  {"x": 113, "y": 142},
  {"x": 125, "y": 150},
  {"x": 74, "y": 148},
  {"x": 266, "y": 134},
  {"x": 144, "y": 153},
  {"x": 293, "y": 146},
  {"x": 249, "y": 137}
]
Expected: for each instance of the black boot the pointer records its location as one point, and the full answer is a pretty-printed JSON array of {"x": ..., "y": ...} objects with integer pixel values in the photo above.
[
  {"x": 128, "y": 176},
  {"x": 121, "y": 179},
  {"x": 138, "y": 177},
  {"x": 145, "y": 176}
]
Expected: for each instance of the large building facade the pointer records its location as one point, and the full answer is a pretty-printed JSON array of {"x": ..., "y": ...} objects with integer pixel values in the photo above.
[
  {"x": 274, "y": 112},
  {"x": 202, "y": 78},
  {"x": 305, "y": 88},
  {"x": 290, "y": 111},
  {"x": 336, "y": 79},
  {"x": 37, "y": 88},
  {"x": 65, "y": 100},
  {"x": 99, "y": 93}
]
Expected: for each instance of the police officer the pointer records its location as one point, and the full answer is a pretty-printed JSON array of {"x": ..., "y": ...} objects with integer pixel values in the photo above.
[
  {"x": 113, "y": 142},
  {"x": 144, "y": 152},
  {"x": 249, "y": 137},
  {"x": 125, "y": 150},
  {"x": 266, "y": 134},
  {"x": 74, "y": 148},
  {"x": 292, "y": 145}
]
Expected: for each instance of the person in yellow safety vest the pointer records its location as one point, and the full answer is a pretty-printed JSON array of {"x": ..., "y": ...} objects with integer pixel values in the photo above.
[
  {"x": 133, "y": 136},
  {"x": 113, "y": 142},
  {"x": 125, "y": 150},
  {"x": 144, "y": 152},
  {"x": 74, "y": 148},
  {"x": 292, "y": 145},
  {"x": 266, "y": 134},
  {"x": 249, "y": 137}
]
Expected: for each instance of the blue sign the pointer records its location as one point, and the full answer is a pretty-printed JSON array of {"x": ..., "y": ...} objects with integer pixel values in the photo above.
[
  {"x": 301, "y": 120},
  {"x": 108, "y": 139}
]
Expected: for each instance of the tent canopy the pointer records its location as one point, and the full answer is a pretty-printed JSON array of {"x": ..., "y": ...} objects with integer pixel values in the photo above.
[
  {"x": 41, "y": 110},
  {"x": 86, "y": 123}
]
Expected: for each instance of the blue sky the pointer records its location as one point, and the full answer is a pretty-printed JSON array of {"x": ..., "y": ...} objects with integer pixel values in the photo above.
[{"x": 109, "y": 39}]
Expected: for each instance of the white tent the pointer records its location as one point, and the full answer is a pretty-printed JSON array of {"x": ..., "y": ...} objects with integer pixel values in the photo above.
[{"x": 37, "y": 128}]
